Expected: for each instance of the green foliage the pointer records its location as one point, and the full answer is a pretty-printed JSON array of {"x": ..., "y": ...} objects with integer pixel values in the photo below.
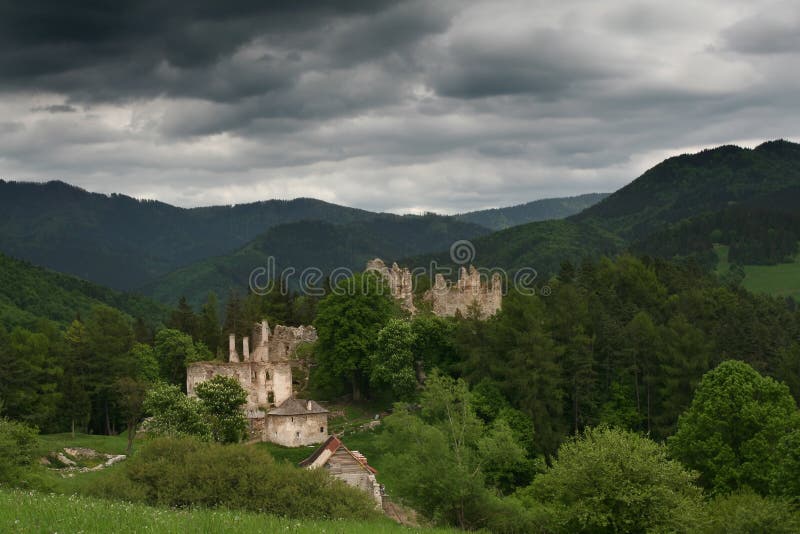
[
  {"x": 18, "y": 444},
  {"x": 30, "y": 294},
  {"x": 731, "y": 431},
  {"x": 185, "y": 472},
  {"x": 393, "y": 363},
  {"x": 611, "y": 480},
  {"x": 28, "y": 376},
  {"x": 130, "y": 394},
  {"x": 222, "y": 399},
  {"x": 348, "y": 321},
  {"x": 174, "y": 350},
  {"x": 745, "y": 512},
  {"x": 442, "y": 459},
  {"x": 174, "y": 414},
  {"x": 786, "y": 470}
]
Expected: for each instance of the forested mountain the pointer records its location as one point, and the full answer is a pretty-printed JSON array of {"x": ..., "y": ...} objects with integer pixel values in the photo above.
[
  {"x": 318, "y": 244},
  {"x": 538, "y": 210},
  {"x": 743, "y": 198},
  {"x": 124, "y": 243},
  {"x": 692, "y": 185},
  {"x": 542, "y": 246},
  {"x": 30, "y": 295}
]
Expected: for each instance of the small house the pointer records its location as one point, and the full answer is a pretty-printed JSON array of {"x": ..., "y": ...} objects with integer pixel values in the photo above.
[{"x": 346, "y": 465}]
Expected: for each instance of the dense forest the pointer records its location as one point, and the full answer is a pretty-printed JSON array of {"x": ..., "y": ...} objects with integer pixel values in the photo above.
[{"x": 627, "y": 355}]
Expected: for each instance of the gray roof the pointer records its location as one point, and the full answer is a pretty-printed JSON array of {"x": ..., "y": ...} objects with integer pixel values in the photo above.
[{"x": 297, "y": 407}]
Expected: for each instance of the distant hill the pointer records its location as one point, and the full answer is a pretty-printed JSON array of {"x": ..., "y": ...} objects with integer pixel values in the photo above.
[
  {"x": 318, "y": 244},
  {"x": 537, "y": 210},
  {"x": 122, "y": 242},
  {"x": 541, "y": 246},
  {"x": 742, "y": 198},
  {"x": 125, "y": 243},
  {"x": 30, "y": 294},
  {"x": 692, "y": 185}
]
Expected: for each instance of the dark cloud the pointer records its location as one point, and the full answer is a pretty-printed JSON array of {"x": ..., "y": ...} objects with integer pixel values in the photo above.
[
  {"x": 544, "y": 63},
  {"x": 392, "y": 105},
  {"x": 773, "y": 31},
  {"x": 56, "y": 108},
  {"x": 99, "y": 51}
]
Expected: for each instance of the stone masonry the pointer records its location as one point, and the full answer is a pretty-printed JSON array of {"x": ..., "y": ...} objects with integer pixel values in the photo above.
[
  {"x": 266, "y": 374},
  {"x": 447, "y": 300}
]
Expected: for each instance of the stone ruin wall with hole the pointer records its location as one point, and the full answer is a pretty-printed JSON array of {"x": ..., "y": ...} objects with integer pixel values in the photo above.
[
  {"x": 473, "y": 289},
  {"x": 265, "y": 372}
]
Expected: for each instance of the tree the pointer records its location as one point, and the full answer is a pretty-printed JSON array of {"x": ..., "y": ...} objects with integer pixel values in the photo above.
[
  {"x": 75, "y": 404},
  {"x": 109, "y": 338},
  {"x": 609, "y": 480},
  {"x": 221, "y": 400},
  {"x": 184, "y": 319},
  {"x": 731, "y": 430},
  {"x": 174, "y": 350},
  {"x": 744, "y": 512},
  {"x": 130, "y": 399},
  {"x": 18, "y": 444},
  {"x": 208, "y": 324},
  {"x": 29, "y": 377},
  {"x": 348, "y": 321},
  {"x": 393, "y": 359},
  {"x": 173, "y": 413},
  {"x": 786, "y": 470},
  {"x": 442, "y": 457}
]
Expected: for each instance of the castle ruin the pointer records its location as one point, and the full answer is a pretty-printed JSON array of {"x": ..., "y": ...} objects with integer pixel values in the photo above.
[
  {"x": 266, "y": 374},
  {"x": 471, "y": 292},
  {"x": 399, "y": 282}
]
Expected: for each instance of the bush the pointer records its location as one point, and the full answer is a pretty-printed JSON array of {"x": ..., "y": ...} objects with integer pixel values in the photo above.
[
  {"x": 184, "y": 472},
  {"x": 612, "y": 480},
  {"x": 18, "y": 443},
  {"x": 744, "y": 511}
]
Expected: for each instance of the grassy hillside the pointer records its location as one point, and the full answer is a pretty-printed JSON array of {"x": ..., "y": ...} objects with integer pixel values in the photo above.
[
  {"x": 538, "y": 210},
  {"x": 25, "y": 511},
  {"x": 781, "y": 280},
  {"x": 29, "y": 294},
  {"x": 317, "y": 244}
]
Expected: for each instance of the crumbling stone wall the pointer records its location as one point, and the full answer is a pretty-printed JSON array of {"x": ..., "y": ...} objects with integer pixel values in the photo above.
[
  {"x": 399, "y": 279},
  {"x": 472, "y": 290}
]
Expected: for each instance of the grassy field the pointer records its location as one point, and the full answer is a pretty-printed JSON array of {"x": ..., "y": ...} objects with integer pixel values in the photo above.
[
  {"x": 782, "y": 280},
  {"x": 31, "y": 512}
]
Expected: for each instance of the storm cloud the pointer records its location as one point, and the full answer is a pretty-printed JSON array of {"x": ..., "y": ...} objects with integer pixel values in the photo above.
[{"x": 387, "y": 105}]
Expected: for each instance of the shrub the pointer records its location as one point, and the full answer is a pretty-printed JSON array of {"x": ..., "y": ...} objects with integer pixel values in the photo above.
[
  {"x": 18, "y": 443},
  {"x": 174, "y": 414},
  {"x": 744, "y": 511},
  {"x": 184, "y": 472},
  {"x": 615, "y": 481}
]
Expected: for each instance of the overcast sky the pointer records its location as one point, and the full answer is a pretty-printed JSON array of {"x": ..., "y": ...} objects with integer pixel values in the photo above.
[{"x": 396, "y": 106}]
